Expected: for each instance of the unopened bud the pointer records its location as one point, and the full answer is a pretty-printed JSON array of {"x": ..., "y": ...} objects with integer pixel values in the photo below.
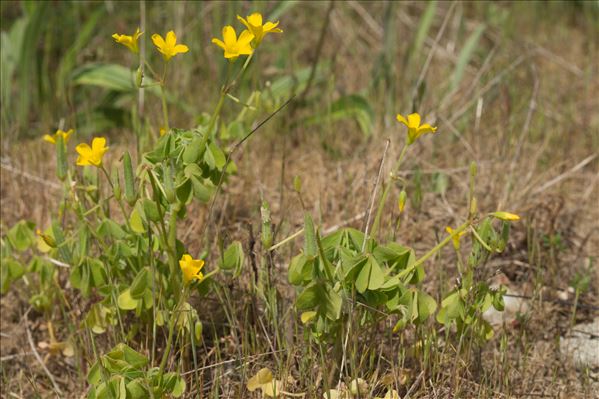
[
  {"x": 473, "y": 169},
  {"x": 402, "y": 200},
  {"x": 473, "y": 206},
  {"x": 47, "y": 239},
  {"x": 297, "y": 184},
  {"x": 139, "y": 76}
]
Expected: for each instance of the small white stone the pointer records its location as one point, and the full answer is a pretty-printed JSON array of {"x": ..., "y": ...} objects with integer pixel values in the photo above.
[{"x": 582, "y": 345}]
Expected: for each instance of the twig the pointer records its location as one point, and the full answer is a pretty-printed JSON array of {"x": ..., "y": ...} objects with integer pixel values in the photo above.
[
  {"x": 39, "y": 358},
  {"x": 29, "y": 176},
  {"x": 246, "y": 358},
  {"x": 373, "y": 195},
  {"x": 319, "y": 46},
  {"x": 415, "y": 384},
  {"x": 233, "y": 149},
  {"x": 564, "y": 175},
  {"x": 429, "y": 57}
]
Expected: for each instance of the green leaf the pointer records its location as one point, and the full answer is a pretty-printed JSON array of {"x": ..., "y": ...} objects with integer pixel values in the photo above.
[
  {"x": 136, "y": 390},
  {"x": 233, "y": 257},
  {"x": 191, "y": 153},
  {"x": 109, "y": 228},
  {"x": 214, "y": 156},
  {"x": 185, "y": 191},
  {"x": 300, "y": 269},
  {"x": 21, "y": 236},
  {"x": 151, "y": 210},
  {"x": 136, "y": 222},
  {"x": 465, "y": 56},
  {"x": 353, "y": 106},
  {"x": 371, "y": 276},
  {"x": 310, "y": 247},
  {"x": 126, "y": 301},
  {"x": 201, "y": 190},
  {"x": 109, "y": 76},
  {"x": 130, "y": 195},
  {"x": 140, "y": 283},
  {"x": 426, "y": 306},
  {"x": 309, "y": 298},
  {"x": 10, "y": 270}
]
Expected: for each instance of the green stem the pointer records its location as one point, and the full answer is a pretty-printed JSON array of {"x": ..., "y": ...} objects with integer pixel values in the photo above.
[
  {"x": 169, "y": 342},
  {"x": 441, "y": 244},
  {"x": 163, "y": 96},
  {"x": 119, "y": 201},
  {"x": 481, "y": 241},
  {"x": 164, "y": 107},
  {"x": 383, "y": 200}
]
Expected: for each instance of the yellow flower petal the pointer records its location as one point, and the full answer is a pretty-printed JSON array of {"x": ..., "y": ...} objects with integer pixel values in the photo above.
[
  {"x": 243, "y": 21},
  {"x": 229, "y": 36},
  {"x": 413, "y": 121},
  {"x": 219, "y": 43},
  {"x": 171, "y": 39},
  {"x": 245, "y": 38},
  {"x": 158, "y": 40},
  {"x": 401, "y": 119},
  {"x": 255, "y": 19},
  {"x": 49, "y": 139}
]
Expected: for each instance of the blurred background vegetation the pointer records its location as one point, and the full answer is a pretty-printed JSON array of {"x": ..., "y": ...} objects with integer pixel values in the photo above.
[{"x": 60, "y": 65}]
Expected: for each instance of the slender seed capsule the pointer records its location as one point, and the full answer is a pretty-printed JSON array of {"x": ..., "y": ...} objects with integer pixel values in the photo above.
[
  {"x": 129, "y": 179},
  {"x": 116, "y": 182},
  {"x": 169, "y": 186},
  {"x": 473, "y": 169},
  {"x": 139, "y": 77},
  {"x": 61, "y": 158}
]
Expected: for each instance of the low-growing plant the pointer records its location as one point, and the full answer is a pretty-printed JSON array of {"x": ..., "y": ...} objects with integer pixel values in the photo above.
[
  {"x": 116, "y": 232},
  {"x": 350, "y": 276}
]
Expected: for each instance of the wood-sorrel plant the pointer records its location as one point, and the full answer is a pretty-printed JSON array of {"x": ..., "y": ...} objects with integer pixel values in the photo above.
[
  {"x": 116, "y": 231},
  {"x": 349, "y": 275}
]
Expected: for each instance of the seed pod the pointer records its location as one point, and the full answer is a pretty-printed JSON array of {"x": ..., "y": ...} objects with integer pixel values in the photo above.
[
  {"x": 129, "y": 179},
  {"x": 473, "y": 206},
  {"x": 169, "y": 185},
  {"x": 473, "y": 169},
  {"x": 116, "y": 182},
  {"x": 139, "y": 77},
  {"x": 61, "y": 158},
  {"x": 297, "y": 184}
]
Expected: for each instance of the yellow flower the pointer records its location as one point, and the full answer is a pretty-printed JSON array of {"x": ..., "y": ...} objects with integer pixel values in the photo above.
[
  {"x": 91, "y": 155},
  {"x": 162, "y": 131},
  {"x": 52, "y": 138},
  {"x": 129, "y": 41},
  {"x": 506, "y": 216},
  {"x": 455, "y": 238},
  {"x": 415, "y": 129},
  {"x": 254, "y": 25},
  {"x": 169, "y": 47},
  {"x": 233, "y": 46},
  {"x": 191, "y": 268}
]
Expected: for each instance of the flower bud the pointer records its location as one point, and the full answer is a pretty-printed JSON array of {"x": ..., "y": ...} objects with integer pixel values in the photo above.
[
  {"x": 402, "y": 200},
  {"x": 473, "y": 169},
  {"x": 139, "y": 76}
]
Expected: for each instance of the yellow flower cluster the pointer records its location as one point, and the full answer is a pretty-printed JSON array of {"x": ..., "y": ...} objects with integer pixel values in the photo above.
[
  {"x": 249, "y": 39},
  {"x": 59, "y": 133},
  {"x": 232, "y": 45},
  {"x": 167, "y": 46}
]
